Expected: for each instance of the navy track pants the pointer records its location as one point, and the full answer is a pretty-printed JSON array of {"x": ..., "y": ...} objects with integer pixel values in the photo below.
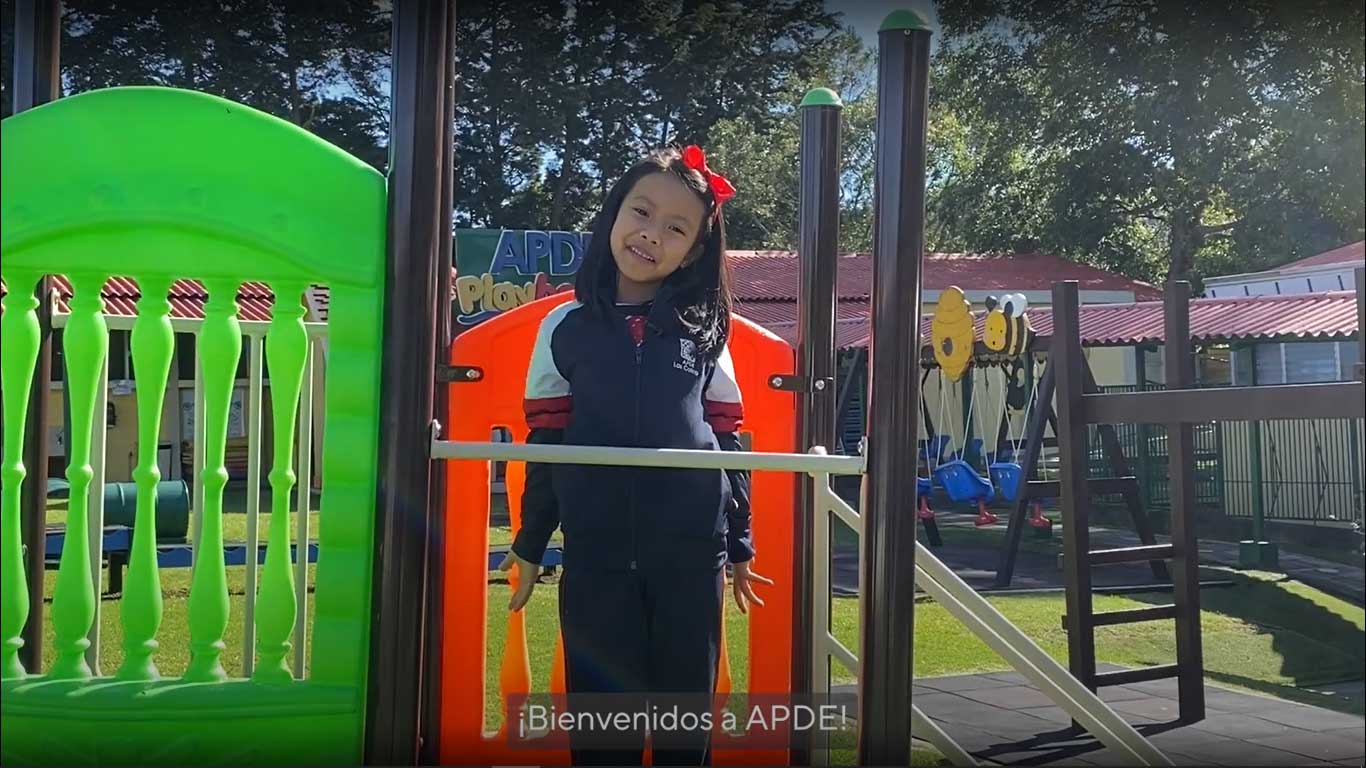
[{"x": 641, "y": 632}]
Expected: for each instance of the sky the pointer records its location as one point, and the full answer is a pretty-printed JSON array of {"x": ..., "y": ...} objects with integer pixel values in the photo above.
[{"x": 866, "y": 15}]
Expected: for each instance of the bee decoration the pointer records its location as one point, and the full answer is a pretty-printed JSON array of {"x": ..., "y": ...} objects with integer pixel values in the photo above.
[
  {"x": 1007, "y": 327},
  {"x": 953, "y": 333}
]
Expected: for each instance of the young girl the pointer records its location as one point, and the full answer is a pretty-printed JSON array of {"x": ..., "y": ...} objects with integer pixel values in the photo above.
[{"x": 640, "y": 360}]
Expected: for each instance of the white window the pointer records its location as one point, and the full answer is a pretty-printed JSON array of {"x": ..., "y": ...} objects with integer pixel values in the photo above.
[
  {"x": 1299, "y": 362},
  {"x": 1242, "y": 367},
  {"x": 1310, "y": 361},
  {"x": 1269, "y": 368},
  {"x": 1347, "y": 354}
]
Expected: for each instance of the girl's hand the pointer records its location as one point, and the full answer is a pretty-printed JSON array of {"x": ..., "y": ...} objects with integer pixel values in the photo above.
[
  {"x": 527, "y": 573},
  {"x": 744, "y": 585}
]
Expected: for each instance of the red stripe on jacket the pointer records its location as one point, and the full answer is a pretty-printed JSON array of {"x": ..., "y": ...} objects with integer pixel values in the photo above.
[
  {"x": 724, "y": 417},
  {"x": 548, "y": 412}
]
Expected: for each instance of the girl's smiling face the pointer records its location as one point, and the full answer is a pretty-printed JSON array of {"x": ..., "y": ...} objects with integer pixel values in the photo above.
[{"x": 654, "y": 234}]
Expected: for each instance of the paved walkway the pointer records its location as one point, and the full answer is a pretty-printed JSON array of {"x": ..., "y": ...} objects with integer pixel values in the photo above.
[{"x": 1002, "y": 719}]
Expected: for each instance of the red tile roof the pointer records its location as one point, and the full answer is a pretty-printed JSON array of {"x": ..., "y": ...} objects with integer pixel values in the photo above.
[
  {"x": 773, "y": 275},
  {"x": 187, "y": 298},
  {"x": 1243, "y": 318},
  {"x": 1317, "y": 316},
  {"x": 766, "y": 312},
  {"x": 1347, "y": 254},
  {"x": 757, "y": 276},
  {"x": 766, "y": 284}
]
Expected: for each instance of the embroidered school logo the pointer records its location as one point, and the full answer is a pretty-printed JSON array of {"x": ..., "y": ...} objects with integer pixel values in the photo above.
[{"x": 687, "y": 356}]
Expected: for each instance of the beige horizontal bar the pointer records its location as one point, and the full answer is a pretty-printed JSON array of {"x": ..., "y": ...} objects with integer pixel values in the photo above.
[{"x": 648, "y": 457}]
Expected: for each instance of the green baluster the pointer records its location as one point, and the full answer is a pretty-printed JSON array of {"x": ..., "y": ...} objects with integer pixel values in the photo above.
[
  {"x": 19, "y": 340},
  {"x": 220, "y": 346},
  {"x": 153, "y": 341},
  {"x": 86, "y": 343},
  {"x": 286, "y": 349}
]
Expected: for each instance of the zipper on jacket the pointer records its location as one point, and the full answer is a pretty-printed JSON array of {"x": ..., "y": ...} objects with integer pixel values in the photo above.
[{"x": 635, "y": 438}]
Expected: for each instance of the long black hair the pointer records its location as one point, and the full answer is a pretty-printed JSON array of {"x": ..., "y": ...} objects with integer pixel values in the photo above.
[{"x": 699, "y": 290}]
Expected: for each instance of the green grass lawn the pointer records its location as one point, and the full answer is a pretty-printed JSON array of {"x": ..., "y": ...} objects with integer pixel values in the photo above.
[
  {"x": 1265, "y": 634},
  {"x": 234, "y": 517},
  {"x": 173, "y": 654}
]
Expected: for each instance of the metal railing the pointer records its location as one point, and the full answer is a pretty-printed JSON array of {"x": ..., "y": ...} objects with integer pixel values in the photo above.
[{"x": 979, "y": 616}]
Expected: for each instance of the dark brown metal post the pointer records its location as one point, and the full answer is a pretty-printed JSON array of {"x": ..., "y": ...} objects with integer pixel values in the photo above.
[
  {"x": 1181, "y": 462},
  {"x": 37, "y": 80},
  {"x": 1066, "y": 362},
  {"x": 818, "y": 237},
  {"x": 889, "y": 519},
  {"x": 423, "y": 51},
  {"x": 37, "y": 47},
  {"x": 429, "y": 719}
]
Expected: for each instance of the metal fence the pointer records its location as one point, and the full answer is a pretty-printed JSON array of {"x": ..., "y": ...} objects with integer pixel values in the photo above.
[
  {"x": 1303, "y": 470},
  {"x": 1294, "y": 470},
  {"x": 1145, "y": 449}
]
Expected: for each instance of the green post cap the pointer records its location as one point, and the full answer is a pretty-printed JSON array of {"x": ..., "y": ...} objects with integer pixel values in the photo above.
[
  {"x": 904, "y": 19},
  {"x": 821, "y": 97}
]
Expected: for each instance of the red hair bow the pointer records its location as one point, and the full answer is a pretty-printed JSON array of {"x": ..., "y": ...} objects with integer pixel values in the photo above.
[{"x": 721, "y": 188}]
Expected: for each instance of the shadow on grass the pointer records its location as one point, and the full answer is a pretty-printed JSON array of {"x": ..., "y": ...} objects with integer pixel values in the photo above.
[{"x": 1311, "y": 634}]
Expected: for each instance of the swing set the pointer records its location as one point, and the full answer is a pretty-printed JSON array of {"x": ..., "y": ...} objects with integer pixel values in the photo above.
[
  {"x": 963, "y": 351},
  {"x": 969, "y": 473}
]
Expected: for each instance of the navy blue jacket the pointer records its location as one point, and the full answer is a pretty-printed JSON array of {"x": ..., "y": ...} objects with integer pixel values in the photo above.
[{"x": 632, "y": 378}]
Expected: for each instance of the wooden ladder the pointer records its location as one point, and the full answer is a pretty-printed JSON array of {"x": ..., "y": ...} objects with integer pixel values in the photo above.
[
  {"x": 1120, "y": 481},
  {"x": 1073, "y": 381}
]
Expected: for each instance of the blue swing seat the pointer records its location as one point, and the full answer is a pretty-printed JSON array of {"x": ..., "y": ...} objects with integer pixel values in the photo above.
[
  {"x": 923, "y": 487},
  {"x": 962, "y": 482},
  {"x": 1007, "y": 476}
]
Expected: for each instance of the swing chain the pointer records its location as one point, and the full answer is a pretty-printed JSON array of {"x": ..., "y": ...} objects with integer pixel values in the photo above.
[
  {"x": 943, "y": 404},
  {"x": 967, "y": 426},
  {"x": 1029, "y": 405},
  {"x": 1005, "y": 414}
]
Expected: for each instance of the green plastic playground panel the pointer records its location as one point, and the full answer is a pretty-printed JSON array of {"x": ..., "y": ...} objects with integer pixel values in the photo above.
[{"x": 160, "y": 184}]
